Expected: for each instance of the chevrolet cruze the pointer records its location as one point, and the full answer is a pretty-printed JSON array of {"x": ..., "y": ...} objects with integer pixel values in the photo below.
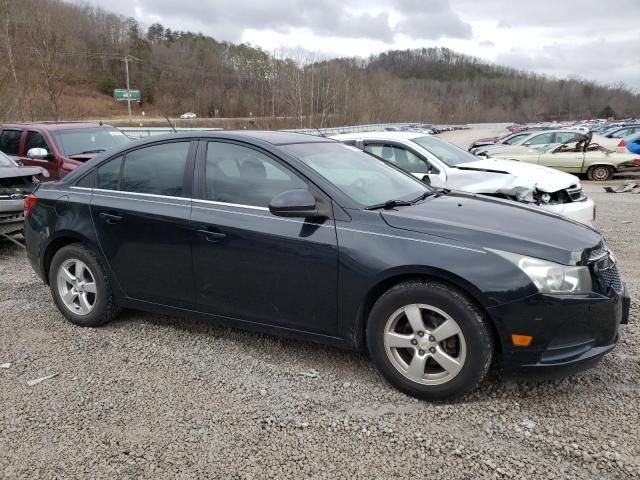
[{"x": 308, "y": 238}]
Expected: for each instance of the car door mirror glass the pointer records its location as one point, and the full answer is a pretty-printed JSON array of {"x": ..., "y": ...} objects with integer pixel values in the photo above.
[
  {"x": 294, "y": 203},
  {"x": 38, "y": 153}
]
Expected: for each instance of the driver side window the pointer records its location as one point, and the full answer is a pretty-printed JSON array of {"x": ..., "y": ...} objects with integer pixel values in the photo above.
[
  {"x": 400, "y": 157},
  {"x": 542, "y": 139}
]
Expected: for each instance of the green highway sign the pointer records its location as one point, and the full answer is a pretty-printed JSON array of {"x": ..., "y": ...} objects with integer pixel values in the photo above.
[{"x": 122, "y": 95}]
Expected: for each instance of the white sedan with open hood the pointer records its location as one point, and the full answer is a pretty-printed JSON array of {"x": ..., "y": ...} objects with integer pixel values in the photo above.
[{"x": 442, "y": 164}]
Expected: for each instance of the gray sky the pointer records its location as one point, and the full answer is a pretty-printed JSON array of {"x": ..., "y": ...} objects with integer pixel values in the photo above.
[{"x": 593, "y": 39}]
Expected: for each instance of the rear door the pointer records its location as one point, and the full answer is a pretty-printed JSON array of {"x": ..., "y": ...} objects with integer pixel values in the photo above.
[
  {"x": 140, "y": 208},
  {"x": 36, "y": 139},
  {"x": 249, "y": 264}
]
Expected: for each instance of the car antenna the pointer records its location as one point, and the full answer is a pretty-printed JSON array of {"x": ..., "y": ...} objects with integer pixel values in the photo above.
[{"x": 170, "y": 124}]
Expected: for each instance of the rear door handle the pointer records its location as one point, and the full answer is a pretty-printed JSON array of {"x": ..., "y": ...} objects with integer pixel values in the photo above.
[
  {"x": 111, "y": 218},
  {"x": 212, "y": 236}
]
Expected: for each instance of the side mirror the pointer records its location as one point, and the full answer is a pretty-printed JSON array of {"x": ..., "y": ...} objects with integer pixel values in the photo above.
[
  {"x": 526, "y": 144},
  {"x": 38, "y": 153},
  {"x": 426, "y": 179},
  {"x": 294, "y": 203}
]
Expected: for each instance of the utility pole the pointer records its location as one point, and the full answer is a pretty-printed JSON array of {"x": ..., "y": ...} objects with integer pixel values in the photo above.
[{"x": 126, "y": 66}]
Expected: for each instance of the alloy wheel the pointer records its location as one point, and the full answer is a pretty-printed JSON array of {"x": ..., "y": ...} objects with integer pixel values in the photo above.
[
  {"x": 425, "y": 344},
  {"x": 77, "y": 287}
]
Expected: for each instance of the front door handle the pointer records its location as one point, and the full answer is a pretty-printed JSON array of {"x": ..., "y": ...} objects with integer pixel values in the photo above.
[
  {"x": 212, "y": 236},
  {"x": 111, "y": 218}
]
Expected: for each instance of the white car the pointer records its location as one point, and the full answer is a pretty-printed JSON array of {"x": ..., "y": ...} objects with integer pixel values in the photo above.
[
  {"x": 188, "y": 115},
  {"x": 442, "y": 164}
]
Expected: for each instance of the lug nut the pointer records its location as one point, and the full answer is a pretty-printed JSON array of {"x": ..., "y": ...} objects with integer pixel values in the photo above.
[
  {"x": 414, "y": 342},
  {"x": 421, "y": 334},
  {"x": 421, "y": 352},
  {"x": 432, "y": 349},
  {"x": 432, "y": 338}
]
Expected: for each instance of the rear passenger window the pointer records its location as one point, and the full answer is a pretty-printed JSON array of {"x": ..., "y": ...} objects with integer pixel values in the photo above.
[
  {"x": 108, "y": 176},
  {"x": 10, "y": 141},
  {"x": 241, "y": 175},
  {"x": 158, "y": 169}
]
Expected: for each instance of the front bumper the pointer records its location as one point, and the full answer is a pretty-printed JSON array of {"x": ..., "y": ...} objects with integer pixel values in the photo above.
[
  {"x": 583, "y": 211},
  {"x": 11, "y": 221},
  {"x": 570, "y": 334}
]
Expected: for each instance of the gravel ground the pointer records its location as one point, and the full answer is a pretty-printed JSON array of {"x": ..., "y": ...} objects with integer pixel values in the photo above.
[{"x": 151, "y": 396}]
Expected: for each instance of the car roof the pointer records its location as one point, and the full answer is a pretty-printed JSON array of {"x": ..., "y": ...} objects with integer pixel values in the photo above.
[
  {"x": 54, "y": 126},
  {"x": 380, "y": 135}
]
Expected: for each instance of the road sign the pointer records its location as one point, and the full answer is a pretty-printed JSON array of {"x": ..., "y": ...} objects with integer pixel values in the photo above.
[{"x": 122, "y": 95}]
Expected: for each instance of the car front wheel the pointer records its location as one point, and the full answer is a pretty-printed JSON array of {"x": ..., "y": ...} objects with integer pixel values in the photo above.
[
  {"x": 429, "y": 340},
  {"x": 80, "y": 287}
]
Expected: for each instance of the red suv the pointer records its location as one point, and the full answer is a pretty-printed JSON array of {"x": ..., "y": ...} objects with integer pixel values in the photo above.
[{"x": 58, "y": 147}]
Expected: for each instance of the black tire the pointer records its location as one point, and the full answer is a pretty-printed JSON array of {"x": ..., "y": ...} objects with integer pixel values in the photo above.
[
  {"x": 472, "y": 324},
  {"x": 600, "y": 173},
  {"x": 105, "y": 308}
]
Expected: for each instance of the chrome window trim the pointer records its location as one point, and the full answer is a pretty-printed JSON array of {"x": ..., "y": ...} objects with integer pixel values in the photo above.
[{"x": 226, "y": 204}]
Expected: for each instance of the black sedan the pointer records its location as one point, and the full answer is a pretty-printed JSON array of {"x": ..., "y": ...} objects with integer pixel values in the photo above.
[{"x": 308, "y": 238}]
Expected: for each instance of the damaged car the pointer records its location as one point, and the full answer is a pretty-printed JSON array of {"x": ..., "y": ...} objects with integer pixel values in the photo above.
[
  {"x": 583, "y": 157},
  {"x": 536, "y": 138},
  {"x": 444, "y": 165},
  {"x": 16, "y": 182}
]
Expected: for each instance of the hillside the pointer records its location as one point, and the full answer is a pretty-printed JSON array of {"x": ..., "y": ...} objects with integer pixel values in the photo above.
[{"x": 62, "y": 61}]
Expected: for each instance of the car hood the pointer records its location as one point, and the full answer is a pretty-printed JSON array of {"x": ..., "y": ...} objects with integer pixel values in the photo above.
[
  {"x": 529, "y": 175},
  {"x": 12, "y": 172},
  {"x": 483, "y": 222}
]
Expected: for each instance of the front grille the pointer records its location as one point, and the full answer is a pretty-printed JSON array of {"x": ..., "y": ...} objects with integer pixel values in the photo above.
[
  {"x": 575, "y": 194},
  {"x": 611, "y": 278}
]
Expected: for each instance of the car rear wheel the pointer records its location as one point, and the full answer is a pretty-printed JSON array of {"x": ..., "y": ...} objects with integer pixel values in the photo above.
[
  {"x": 429, "y": 340},
  {"x": 80, "y": 287},
  {"x": 600, "y": 173}
]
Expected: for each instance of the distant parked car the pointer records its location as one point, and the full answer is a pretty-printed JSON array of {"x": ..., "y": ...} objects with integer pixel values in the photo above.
[
  {"x": 16, "y": 182},
  {"x": 630, "y": 144},
  {"x": 582, "y": 157},
  {"x": 442, "y": 164},
  {"x": 58, "y": 147},
  {"x": 188, "y": 115},
  {"x": 611, "y": 138},
  {"x": 546, "y": 137},
  {"x": 509, "y": 139}
]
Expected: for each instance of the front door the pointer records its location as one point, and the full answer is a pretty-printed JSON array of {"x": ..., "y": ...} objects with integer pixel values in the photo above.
[
  {"x": 249, "y": 264},
  {"x": 36, "y": 139},
  {"x": 140, "y": 208}
]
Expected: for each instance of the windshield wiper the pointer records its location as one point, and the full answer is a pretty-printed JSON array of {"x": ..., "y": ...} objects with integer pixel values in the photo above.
[
  {"x": 97, "y": 150},
  {"x": 389, "y": 204}
]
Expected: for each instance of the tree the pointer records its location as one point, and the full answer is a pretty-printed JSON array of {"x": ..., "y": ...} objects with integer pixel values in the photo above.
[
  {"x": 607, "y": 112},
  {"x": 106, "y": 83}
]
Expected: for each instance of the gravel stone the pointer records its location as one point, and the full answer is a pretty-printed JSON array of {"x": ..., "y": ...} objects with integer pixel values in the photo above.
[{"x": 150, "y": 396}]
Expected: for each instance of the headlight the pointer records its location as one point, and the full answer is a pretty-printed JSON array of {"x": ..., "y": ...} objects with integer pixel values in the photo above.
[{"x": 551, "y": 277}]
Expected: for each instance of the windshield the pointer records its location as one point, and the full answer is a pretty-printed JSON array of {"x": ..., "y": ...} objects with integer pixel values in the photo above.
[
  {"x": 89, "y": 140},
  {"x": 4, "y": 161},
  {"x": 445, "y": 152},
  {"x": 360, "y": 176}
]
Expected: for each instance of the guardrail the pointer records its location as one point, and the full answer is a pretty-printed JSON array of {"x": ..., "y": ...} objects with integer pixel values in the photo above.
[{"x": 142, "y": 132}]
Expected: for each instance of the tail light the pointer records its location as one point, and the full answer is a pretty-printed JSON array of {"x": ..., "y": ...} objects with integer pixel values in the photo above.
[
  {"x": 622, "y": 146},
  {"x": 29, "y": 202}
]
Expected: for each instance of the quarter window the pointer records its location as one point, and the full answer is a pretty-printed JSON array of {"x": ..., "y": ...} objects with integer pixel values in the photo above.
[
  {"x": 241, "y": 175},
  {"x": 401, "y": 158},
  {"x": 10, "y": 141},
  {"x": 158, "y": 169}
]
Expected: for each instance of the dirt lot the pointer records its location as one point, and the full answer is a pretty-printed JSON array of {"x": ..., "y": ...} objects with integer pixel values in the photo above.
[{"x": 151, "y": 396}]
